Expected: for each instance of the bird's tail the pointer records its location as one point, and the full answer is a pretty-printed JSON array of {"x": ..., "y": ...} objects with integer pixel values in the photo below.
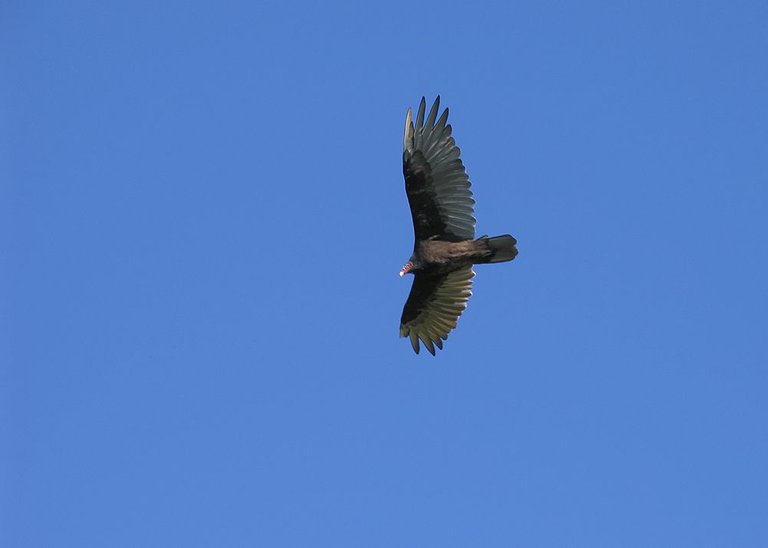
[{"x": 502, "y": 248}]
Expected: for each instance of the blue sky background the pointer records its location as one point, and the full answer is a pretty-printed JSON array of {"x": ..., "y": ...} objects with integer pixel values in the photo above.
[{"x": 202, "y": 218}]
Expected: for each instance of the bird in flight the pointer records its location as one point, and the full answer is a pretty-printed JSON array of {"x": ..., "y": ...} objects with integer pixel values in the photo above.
[{"x": 445, "y": 247}]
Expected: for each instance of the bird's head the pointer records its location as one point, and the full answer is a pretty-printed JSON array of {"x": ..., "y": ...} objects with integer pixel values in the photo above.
[{"x": 408, "y": 267}]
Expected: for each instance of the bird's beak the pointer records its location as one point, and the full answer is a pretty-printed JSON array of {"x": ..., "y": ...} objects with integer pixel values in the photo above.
[
  {"x": 402, "y": 272},
  {"x": 406, "y": 269}
]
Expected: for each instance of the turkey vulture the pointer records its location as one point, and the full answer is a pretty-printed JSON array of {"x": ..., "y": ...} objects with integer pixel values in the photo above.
[{"x": 445, "y": 247}]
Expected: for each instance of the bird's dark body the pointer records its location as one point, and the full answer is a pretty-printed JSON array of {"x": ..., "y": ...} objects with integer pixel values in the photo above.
[
  {"x": 437, "y": 257},
  {"x": 445, "y": 247}
]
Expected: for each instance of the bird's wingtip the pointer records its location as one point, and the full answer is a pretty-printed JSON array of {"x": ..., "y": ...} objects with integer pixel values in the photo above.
[{"x": 408, "y": 131}]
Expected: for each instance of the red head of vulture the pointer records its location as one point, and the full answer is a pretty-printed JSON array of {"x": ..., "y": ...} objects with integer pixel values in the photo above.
[{"x": 445, "y": 247}]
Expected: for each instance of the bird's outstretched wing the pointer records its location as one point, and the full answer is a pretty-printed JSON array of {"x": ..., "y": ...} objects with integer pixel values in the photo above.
[
  {"x": 435, "y": 179},
  {"x": 434, "y": 306}
]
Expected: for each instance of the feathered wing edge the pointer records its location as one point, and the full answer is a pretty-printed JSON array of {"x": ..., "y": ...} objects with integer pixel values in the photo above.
[
  {"x": 436, "y": 311},
  {"x": 431, "y": 157}
]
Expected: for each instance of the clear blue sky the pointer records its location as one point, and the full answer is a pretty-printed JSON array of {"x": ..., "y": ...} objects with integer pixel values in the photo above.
[{"x": 202, "y": 219}]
